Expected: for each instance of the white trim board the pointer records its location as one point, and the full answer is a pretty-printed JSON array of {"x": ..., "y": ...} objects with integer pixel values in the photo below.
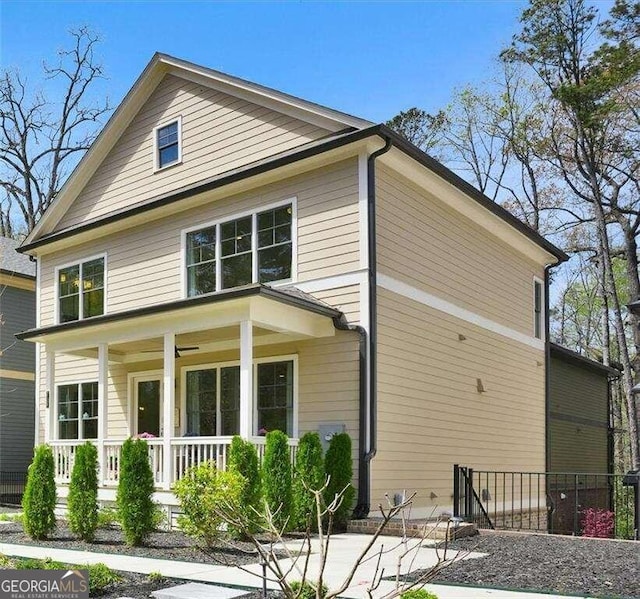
[{"x": 442, "y": 305}]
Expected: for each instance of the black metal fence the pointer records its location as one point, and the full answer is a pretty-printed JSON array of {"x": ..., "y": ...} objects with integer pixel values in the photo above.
[
  {"x": 561, "y": 503},
  {"x": 12, "y": 487}
]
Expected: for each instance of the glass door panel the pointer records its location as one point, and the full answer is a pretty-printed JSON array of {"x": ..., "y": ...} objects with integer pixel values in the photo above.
[
  {"x": 230, "y": 400},
  {"x": 149, "y": 406}
]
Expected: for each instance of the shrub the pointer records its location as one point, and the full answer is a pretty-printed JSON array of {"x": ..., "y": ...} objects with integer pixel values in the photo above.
[
  {"x": 339, "y": 468},
  {"x": 598, "y": 523},
  {"x": 101, "y": 577},
  {"x": 83, "y": 492},
  {"x": 276, "y": 478},
  {"x": 39, "y": 500},
  {"x": 309, "y": 474},
  {"x": 107, "y": 517},
  {"x": 418, "y": 594},
  {"x": 155, "y": 576},
  {"x": 243, "y": 459},
  {"x": 307, "y": 590},
  {"x": 203, "y": 489},
  {"x": 135, "y": 488}
]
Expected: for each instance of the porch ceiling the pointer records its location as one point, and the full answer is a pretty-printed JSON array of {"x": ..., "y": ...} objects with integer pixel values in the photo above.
[{"x": 212, "y": 319}]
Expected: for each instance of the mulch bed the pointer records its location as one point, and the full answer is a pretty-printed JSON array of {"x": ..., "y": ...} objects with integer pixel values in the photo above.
[
  {"x": 551, "y": 564},
  {"x": 171, "y": 545}
]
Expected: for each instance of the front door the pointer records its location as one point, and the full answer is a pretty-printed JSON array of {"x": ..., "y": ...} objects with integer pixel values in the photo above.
[{"x": 148, "y": 395}]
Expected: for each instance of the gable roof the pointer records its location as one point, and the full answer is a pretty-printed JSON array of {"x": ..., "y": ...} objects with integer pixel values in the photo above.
[
  {"x": 343, "y": 129},
  {"x": 568, "y": 355},
  {"x": 12, "y": 262},
  {"x": 159, "y": 66}
]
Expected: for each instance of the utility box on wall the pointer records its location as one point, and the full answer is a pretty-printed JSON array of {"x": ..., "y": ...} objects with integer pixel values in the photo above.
[{"x": 328, "y": 430}]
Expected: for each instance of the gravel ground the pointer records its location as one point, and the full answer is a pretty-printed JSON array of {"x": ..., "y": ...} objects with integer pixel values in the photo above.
[
  {"x": 160, "y": 545},
  {"x": 552, "y": 564}
]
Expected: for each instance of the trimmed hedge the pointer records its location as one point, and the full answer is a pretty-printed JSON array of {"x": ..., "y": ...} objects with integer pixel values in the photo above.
[
  {"x": 135, "y": 489},
  {"x": 309, "y": 475},
  {"x": 243, "y": 459},
  {"x": 39, "y": 499},
  {"x": 83, "y": 492},
  {"x": 339, "y": 468},
  {"x": 276, "y": 478}
]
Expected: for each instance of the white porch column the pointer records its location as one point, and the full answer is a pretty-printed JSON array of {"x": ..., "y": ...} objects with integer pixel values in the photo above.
[
  {"x": 50, "y": 396},
  {"x": 246, "y": 379},
  {"x": 103, "y": 398},
  {"x": 169, "y": 402}
]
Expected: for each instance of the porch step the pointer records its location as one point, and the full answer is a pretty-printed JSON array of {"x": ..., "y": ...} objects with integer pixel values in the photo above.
[
  {"x": 436, "y": 531},
  {"x": 196, "y": 590}
]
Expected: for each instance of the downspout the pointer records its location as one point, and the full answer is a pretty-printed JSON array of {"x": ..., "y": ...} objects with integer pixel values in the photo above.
[
  {"x": 368, "y": 405},
  {"x": 547, "y": 371}
]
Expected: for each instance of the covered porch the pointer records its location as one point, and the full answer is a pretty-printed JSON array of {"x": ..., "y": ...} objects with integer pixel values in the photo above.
[{"x": 186, "y": 376}]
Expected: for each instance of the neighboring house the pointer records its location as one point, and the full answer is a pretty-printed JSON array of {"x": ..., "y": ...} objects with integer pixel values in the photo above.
[
  {"x": 579, "y": 435},
  {"x": 17, "y": 359},
  {"x": 227, "y": 258}
]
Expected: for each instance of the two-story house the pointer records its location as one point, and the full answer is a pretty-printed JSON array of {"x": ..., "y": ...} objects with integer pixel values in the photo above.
[
  {"x": 17, "y": 367},
  {"x": 228, "y": 259}
]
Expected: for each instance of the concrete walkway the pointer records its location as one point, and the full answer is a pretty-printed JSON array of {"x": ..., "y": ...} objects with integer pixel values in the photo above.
[{"x": 342, "y": 552}]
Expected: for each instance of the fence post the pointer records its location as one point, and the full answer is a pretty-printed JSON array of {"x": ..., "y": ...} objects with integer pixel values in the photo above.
[
  {"x": 456, "y": 491},
  {"x": 575, "y": 505},
  {"x": 468, "y": 495}
]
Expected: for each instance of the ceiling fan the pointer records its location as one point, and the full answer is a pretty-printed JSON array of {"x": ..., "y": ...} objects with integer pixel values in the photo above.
[{"x": 176, "y": 352}]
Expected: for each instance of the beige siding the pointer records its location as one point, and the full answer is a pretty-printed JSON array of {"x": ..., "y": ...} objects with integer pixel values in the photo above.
[
  {"x": 144, "y": 264},
  {"x": 219, "y": 133},
  {"x": 346, "y": 299},
  {"x": 578, "y": 436},
  {"x": 430, "y": 414},
  {"x": 428, "y": 245}
]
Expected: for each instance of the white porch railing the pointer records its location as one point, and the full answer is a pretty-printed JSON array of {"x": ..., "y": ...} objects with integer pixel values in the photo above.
[{"x": 185, "y": 452}]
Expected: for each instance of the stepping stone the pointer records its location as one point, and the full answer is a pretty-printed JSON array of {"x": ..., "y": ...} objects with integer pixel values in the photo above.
[{"x": 196, "y": 590}]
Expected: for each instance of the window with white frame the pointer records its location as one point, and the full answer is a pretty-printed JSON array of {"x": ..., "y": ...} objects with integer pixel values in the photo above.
[
  {"x": 212, "y": 399},
  {"x": 538, "y": 309},
  {"x": 254, "y": 248},
  {"x": 275, "y": 396},
  {"x": 167, "y": 143},
  {"x": 78, "y": 411},
  {"x": 81, "y": 290}
]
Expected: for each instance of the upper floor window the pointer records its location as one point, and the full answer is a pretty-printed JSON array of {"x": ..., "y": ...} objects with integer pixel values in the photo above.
[
  {"x": 81, "y": 290},
  {"x": 257, "y": 248},
  {"x": 168, "y": 149},
  {"x": 538, "y": 309}
]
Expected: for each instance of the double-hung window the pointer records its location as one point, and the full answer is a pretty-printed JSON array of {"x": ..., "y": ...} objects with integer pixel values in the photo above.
[
  {"x": 256, "y": 248},
  {"x": 168, "y": 149},
  {"x": 78, "y": 411},
  {"x": 212, "y": 398},
  {"x": 81, "y": 290}
]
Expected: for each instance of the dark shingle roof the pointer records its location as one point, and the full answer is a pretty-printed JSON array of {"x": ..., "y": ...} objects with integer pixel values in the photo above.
[{"x": 11, "y": 261}]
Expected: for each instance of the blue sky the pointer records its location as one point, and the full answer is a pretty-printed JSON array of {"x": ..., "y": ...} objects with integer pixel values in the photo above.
[{"x": 371, "y": 59}]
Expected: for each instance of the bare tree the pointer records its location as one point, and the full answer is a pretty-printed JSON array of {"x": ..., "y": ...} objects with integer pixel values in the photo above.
[
  {"x": 41, "y": 140},
  {"x": 287, "y": 561}
]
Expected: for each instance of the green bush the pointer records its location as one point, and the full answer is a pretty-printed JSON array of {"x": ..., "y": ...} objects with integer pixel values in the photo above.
[
  {"x": 100, "y": 578},
  {"x": 201, "y": 491},
  {"x": 107, "y": 517},
  {"x": 243, "y": 459},
  {"x": 418, "y": 594},
  {"x": 83, "y": 492},
  {"x": 135, "y": 489},
  {"x": 39, "y": 500},
  {"x": 276, "y": 478},
  {"x": 309, "y": 474},
  {"x": 307, "y": 590},
  {"x": 339, "y": 468}
]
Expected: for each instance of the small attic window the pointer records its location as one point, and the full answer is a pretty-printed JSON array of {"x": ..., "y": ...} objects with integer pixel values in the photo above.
[{"x": 168, "y": 146}]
